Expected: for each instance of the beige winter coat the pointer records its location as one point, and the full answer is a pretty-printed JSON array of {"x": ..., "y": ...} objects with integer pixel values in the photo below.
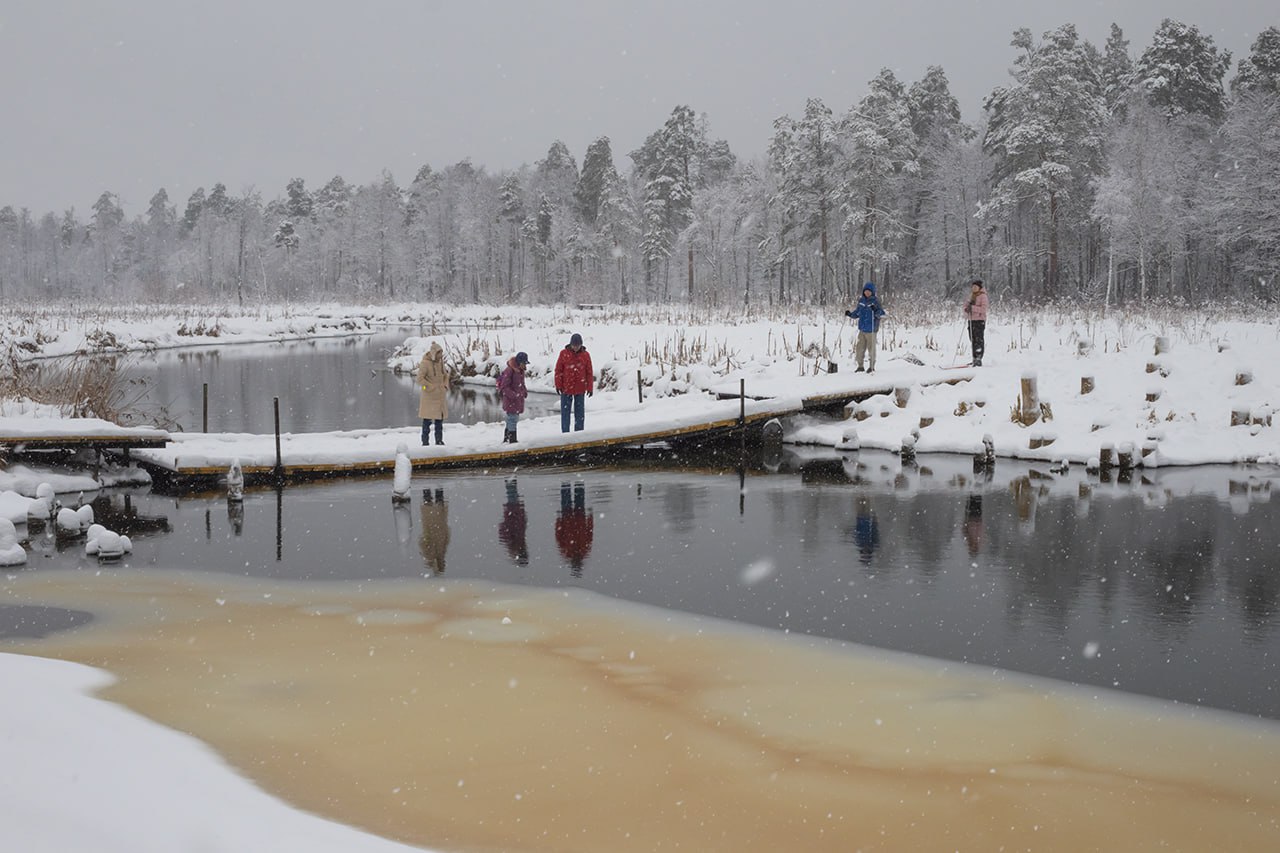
[{"x": 433, "y": 383}]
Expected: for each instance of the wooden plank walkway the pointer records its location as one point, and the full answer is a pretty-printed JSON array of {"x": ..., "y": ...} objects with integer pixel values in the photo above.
[
  {"x": 182, "y": 476},
  {"x": 199, "y": 461},
  {"x": 87, "y": 441}
]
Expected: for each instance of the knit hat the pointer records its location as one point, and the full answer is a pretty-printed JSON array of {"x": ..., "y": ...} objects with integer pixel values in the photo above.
[
  {"x": 575, "y": 340},
  {"x": 522, "y": 358}
]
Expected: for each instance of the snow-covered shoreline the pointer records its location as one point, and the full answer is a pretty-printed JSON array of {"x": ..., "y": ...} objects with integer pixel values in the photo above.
[{"x": 1178, "y": 406}]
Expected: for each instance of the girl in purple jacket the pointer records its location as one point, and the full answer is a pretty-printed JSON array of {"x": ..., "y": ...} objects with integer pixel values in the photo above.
[{"x": 511, "y": 387}]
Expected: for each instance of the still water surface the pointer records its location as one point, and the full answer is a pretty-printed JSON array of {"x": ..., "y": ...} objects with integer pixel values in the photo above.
[
  {"x": 324, "y": 384},
  {"x": 1167, "y": 586}
]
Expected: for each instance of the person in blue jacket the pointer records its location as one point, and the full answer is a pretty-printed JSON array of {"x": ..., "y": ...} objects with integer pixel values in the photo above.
[{"x": 868, "y": 313}]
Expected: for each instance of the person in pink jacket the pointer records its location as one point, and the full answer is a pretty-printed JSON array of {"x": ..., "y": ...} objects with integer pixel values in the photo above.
[{"x": 975, "y": 309}]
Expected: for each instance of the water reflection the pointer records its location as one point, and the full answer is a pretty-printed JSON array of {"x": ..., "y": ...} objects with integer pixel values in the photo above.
[
  {"x": 575, "y": 527},
  {"x": 1062, "y": 575},
  {"x": 866, "y": 530},
  {"x": 513, "y": 529},
  {"x": 434, "y": 540}
]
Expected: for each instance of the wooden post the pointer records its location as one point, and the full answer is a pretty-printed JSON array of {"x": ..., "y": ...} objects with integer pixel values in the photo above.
[
  {"x": 279, "y": 472},
  {"x": 204, "y": 421},
  {"x": 1124, "y": 457},
  {"x": 1107, "y": 457},
  {"x": 1029, "y": 400},
  {"x": 742, "y": 397},
  {"x": 639, "y": 386},
  {"x": 1086, "y": 385}
]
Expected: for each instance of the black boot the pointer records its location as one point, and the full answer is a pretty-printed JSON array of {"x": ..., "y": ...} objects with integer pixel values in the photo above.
[
  {"x": 506, "y": 436},
  {"x": 513, "y": 436}
]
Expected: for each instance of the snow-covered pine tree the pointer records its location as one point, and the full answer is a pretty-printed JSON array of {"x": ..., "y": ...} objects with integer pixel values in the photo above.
[
  {"x": 1260, "y": 70},
  {"x": 1182, "y": 72}
]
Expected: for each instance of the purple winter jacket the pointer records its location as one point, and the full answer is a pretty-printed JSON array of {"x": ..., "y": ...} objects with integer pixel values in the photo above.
[{"x": 511, "y": 386}]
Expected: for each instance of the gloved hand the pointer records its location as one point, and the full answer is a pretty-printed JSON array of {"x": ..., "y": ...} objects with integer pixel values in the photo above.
[
  {"x": 849, "y": 314},
  {"x": 589, "y": 393}
]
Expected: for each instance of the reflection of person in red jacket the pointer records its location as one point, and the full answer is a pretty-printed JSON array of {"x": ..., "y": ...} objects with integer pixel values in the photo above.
[
  {"x": 575, "y": 527},
  {"x": 511, "y": 530},
  {"x": 574, "y": 379}
]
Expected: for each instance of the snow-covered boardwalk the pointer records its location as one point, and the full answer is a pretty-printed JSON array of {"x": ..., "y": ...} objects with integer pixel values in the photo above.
[
  {"x": 617, "y": 421},
  {"x": 40, "y": 433}
]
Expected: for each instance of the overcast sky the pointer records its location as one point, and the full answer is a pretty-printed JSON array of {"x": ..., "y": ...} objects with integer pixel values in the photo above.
[{"x": 133, "y": 95}]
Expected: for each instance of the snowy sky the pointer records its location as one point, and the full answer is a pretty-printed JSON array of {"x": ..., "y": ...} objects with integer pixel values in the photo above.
[{"x": 138, "y": 94}]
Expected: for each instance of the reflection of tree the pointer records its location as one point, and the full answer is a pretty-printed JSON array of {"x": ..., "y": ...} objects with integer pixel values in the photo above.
[{"x": 680, "y": 502}]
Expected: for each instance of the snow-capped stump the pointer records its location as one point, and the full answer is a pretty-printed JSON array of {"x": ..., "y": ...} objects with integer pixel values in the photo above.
[
  {"x": 1106, "y": 457},
  {"x": 68, "y": 522},
  {"x": 1162, "y": 345},
  {"x": 1061, "y": 467},
  {"x": 403, "y": 475},
  {"x": 858, "y": 411},
  {"x": 1244, "y": 376},
  {"x": 108, "y": 545},
  {"x": 908, "y": 448},
  {"x": 42, "y": 507},
  {"x": 985, "y": 458},
  {"x": 235, "y": 481},
  {"x": 11, "y": 551},
  {"x": 926, "y": 420},
  {"x": 1027, "y": 411},
  {"x": 1241, "y": 416},
  {"x": 1150, "y": 454},
  {"x": 901, "y": 396},
  {"x": 1153, "y": 394},
  {"x": 849, "y": 441},
  {"x": 1086, "y": 385},
  {"x": 85, "y": 514},
  {"x": 1124, "y": 456}
]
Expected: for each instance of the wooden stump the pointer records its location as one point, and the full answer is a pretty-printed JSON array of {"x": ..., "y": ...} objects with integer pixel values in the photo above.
[
  {"x": 1124, "y": 457},
  {"x": 1240, "y": 417},
  {"x": 1162, "y": 345},
  {"x": 901, "y": 396},
  {"x": 1086, "y": 385},
  {"x": 926, "y": 420},
  {"x": 909, "y": 448},
  {"x": 1028, "y": 401},
  {"x": 1153, "y": 395},
  {"x": 1244, "y": 377},
  {"x": 1036, "y": 442},
  {"x": 1107, "y": 457}
]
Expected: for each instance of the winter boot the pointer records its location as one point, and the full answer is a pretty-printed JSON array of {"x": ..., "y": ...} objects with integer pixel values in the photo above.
[
  {"x": 506, "y": 436},
  {"x": 513, "y": 436}
]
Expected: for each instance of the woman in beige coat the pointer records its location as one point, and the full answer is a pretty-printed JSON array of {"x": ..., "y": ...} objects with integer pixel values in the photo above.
[{"x": 433, "y": 405}]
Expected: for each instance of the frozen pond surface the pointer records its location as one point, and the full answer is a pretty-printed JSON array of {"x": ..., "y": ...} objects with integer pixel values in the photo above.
[{"x": 1166, "y": 586}]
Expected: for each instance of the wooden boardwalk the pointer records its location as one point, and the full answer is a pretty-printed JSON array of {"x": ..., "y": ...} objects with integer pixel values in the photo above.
[
  {"x": 196, "y": 461},
  {"x": 202, "y": 475}
]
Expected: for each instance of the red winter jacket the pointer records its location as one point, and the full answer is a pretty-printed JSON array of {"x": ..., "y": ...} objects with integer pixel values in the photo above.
[{"x": 573, "y": 372}]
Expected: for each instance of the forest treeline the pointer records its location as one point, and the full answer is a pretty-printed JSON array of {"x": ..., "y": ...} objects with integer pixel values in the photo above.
[{"x": 1097, "y": 173}]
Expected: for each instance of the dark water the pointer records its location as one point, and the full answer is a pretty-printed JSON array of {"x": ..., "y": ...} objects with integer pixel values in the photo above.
[
  {"x": 323, "y": 385},
  {"x": 1167, "y": 586}
]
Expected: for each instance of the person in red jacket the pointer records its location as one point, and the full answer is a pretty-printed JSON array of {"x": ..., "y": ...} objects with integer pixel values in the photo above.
[{"x": 574, "y": 379}]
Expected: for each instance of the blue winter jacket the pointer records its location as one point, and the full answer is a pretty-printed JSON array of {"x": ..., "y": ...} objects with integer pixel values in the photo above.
[{"x": 868, "y": 312}]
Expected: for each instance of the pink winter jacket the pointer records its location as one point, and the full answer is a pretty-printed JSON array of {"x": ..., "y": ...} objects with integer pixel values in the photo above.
[{"x": 975, "y": 308}]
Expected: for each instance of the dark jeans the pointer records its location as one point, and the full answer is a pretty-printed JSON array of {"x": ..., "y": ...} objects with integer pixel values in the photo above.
[
  {"x": 426, "y": 427},
  {"x": 977, "y": 334},
  {"x": 576, "y": 403}
]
